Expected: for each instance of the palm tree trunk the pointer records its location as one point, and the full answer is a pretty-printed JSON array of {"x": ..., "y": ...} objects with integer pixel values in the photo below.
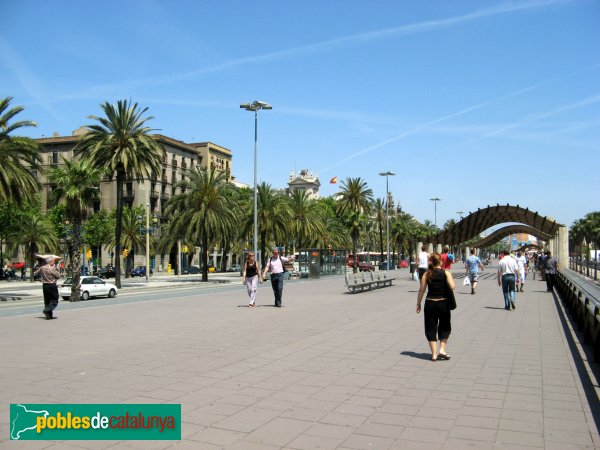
[
  {"x": 76, "y": 262},
  {"x": 204, "y": 265},
  {"x": 119, "y": 226}
]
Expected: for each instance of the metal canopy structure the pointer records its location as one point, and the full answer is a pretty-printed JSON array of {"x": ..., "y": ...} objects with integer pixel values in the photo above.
[
  {"x": 475, "y": 223},
  {"x": 500, "y": 234}
]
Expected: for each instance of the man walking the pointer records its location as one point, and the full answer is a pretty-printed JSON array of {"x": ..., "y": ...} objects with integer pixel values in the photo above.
[
  {"x": 275, "y": 266},
  {"x": 522, "y": 265},
  {"x": 48, "y": 274},
  {"x": 473, "y": 266},
  {"x": 550, "y": 269},
  {"x": 508, "y": 272},
  {"x": 422, "y": 261}
]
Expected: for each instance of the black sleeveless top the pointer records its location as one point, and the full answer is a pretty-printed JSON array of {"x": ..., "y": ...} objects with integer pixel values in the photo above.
[
  {"x": 251, "y": 270},
  {"x": 436, "y": 285}
]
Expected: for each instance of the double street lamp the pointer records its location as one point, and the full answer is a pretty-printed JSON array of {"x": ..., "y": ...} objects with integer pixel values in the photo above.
[
  {"x": 387, "y": 209},
  {"x": 255, "y": 106}
]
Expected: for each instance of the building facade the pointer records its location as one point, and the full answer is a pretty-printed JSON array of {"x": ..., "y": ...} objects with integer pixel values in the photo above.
[{"x": 179, "y": 159}]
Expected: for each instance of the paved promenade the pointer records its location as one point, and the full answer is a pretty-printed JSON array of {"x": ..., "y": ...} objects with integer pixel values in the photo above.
[{"x": 329, "y": 370}]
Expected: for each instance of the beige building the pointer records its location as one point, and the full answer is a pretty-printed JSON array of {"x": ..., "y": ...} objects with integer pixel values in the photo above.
[
  {"x": 180, "y": 157},
  {"x": 304, "y": 181}
]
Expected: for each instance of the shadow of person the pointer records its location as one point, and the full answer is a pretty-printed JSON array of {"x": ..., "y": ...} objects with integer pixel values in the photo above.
[{"x": 426, "y": 356}]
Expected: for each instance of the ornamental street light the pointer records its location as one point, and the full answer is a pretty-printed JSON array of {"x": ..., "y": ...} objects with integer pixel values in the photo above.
[
  {"x": 387, "y": 209},
  {"x": 255, "y": 106},
  {"x": 435, "y": 200}
]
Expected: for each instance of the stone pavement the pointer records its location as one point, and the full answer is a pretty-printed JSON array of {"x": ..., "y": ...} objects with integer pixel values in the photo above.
[{"x": 329, "y": 370}]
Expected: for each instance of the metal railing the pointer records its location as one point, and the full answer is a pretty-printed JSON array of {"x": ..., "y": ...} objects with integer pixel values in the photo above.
[{"x": 583, "y": 305}]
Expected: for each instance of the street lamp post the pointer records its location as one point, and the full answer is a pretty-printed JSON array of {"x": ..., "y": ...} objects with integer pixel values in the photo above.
[
  {"x": 435, "y": 200},
  {"x": 387, "y": 209},
  {"x": 147, "y": 243},
  {"x": 255, "y": 106}
]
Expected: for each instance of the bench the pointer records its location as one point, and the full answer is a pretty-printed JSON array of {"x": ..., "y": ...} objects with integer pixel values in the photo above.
[
  {"x": 358, "y": 282},
  {"x": 367, "y": 280},
  {"x": 381, "y": 279}
]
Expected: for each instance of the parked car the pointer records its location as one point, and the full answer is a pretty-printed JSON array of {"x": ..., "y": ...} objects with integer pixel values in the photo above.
[
  {"x": 386, "y": 266},
  {"x": 234, "y": 268},
  {"x": 106, "y": 272},
  {"x": 140, "y": 271},
  {"x": 365, "y": 267},
  {"x": 403, "y": 264},
  {"x": 91, "y": 286},
  {"x": 191, "y": 270}
]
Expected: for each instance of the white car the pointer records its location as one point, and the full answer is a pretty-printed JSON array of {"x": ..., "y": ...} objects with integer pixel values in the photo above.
[{"x": 91, "y": 286}]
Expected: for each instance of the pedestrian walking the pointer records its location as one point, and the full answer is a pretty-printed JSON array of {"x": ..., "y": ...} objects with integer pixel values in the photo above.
[
  {"x": 437, "y": 282},
  {"x": 550, "y": 268},
  {"x": 473, "y": 267},
  {"x": 447, "y": 259},
  {"x": 522, "y": 265},
  {"x": 275, "y": 267},
  {"x": 251, "y": 277},
  {"x": 48, "y": 274},
  {"x": 508, "y": 273},
  {"x": 422, "y": 261}
]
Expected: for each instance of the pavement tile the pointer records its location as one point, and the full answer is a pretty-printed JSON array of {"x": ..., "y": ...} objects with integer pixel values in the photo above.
[
  {"x": 280, "y": 431},
  {"x": 477, "y": 421},
  {"x": 520, "y": 438},
  {"x": 361, "y": 442},
  {"x": 424, "y": 435},
  {"x": 305, "y": 442},
  {"x": 473, "y": 433}
]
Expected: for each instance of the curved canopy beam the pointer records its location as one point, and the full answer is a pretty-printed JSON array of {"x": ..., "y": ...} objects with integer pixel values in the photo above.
[
  {"x": 500, "y": 234},
  {"x": 475, "y": 223}
]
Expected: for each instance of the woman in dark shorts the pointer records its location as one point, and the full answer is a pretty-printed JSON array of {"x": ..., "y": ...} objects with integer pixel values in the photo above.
[{"x": 436, "y": 312}]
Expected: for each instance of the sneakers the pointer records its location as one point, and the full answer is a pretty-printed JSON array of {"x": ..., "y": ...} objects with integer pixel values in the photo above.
[{"x": 512, "y": 305}]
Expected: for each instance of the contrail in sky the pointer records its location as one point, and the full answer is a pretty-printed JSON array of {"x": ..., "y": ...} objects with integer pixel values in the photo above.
[{"x": 462, "y": 112}]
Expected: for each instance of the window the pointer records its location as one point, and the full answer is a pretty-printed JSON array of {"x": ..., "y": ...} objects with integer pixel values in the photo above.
[{"x": 54, "y": 156}]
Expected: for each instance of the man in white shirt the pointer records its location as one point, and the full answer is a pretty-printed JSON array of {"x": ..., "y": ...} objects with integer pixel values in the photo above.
[
  {"x": 507, "y": 273},
  {"x": 522, "y": 265},
  {"x": 422, "y": 261},
  {"x": 277, "y": 271}
]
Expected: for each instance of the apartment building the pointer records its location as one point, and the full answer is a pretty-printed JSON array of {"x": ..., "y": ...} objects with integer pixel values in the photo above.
[{"x": 180, "y": 157}]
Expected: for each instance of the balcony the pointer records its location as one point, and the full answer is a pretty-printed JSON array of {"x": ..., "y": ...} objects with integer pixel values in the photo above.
[
  {"x": 153, "y": 194},
  {"x": 128, "y": 196}
]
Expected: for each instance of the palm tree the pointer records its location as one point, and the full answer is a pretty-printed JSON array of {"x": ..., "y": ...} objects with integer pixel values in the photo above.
[
  {"x": 203, "y": 211},
  {"x": 306, "y": 221},
  {"x": 131, "y": 238},
  {"x": 19, "y": 156},
  {"x": 78, "y": 184},
  {"x": 335, "y": 234},
  {"x": 121, "y": 142},
  {"x": 273, "y": 218},
  {"x": 36, "y": 234},
  {"x": 355, "y": 199}
]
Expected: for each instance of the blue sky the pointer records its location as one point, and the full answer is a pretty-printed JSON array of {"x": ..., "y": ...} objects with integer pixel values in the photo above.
[{"x": 474, "y": 102}]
